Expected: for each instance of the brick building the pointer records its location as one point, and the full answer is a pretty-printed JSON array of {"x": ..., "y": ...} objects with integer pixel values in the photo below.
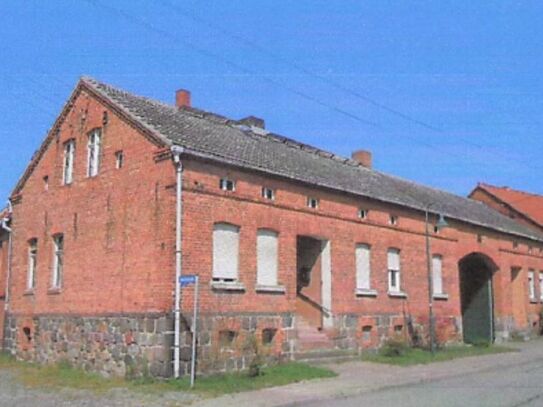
[
  {"x": 297, "y": 249},
  {"x": 524, "y": 207}
]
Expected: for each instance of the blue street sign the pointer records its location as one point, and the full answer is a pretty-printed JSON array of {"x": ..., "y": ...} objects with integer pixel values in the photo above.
[{"x": 187, "y": 280}]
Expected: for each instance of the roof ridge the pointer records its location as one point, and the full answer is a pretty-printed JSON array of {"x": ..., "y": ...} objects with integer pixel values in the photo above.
[{"x": 534, "y": 195}]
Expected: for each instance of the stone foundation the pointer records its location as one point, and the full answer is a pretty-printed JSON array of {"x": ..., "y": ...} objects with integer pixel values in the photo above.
[{"x": 127, "y": 345}]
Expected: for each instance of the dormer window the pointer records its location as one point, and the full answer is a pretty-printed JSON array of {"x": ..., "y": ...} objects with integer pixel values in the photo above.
[
  {"x": 312, "y": 203},
  {"x": 268, "y": 193},
  {"x": 393, "y": 220},
  {"x": 227, "y": 184},
  {"x": 93, "y": 152},
  {"x": 363, "y": 213}
]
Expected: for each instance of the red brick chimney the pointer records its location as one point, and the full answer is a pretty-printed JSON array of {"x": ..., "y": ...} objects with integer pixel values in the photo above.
[
  {"x": 182, "y": 98},
  {"x": 363, "y": 157}
]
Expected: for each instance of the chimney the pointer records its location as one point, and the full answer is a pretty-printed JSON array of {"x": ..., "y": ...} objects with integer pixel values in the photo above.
[
  {"x": 182, "y": 98},
  {"x": 363, "y": 157}
]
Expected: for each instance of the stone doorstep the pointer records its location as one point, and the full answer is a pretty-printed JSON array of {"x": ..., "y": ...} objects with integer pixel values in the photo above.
[{"x": 325, "y": 356}]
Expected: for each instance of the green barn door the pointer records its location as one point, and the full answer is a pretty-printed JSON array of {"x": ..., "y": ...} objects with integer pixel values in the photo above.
[{"x": 477, "y": 318}]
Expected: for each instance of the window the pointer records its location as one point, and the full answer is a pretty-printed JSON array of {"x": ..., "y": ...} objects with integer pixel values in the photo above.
[
  {"x": 393, "y": 260},
  {"x": 32, "y": 264},
  {"x": 312, "y": 203},
  {"x": 541, "y": 285},
  {"x": 363, "y": 213},
  {"x": 393, "y": 220},
  {"x": 93, "y": 152},
  {"x": 225, "y": 252},
  {"x": 515, "y": 244},
  {"x": 46, "y": 183},
  {"x": 362, "y": 253},
  {"x": 437, "y": 277},
  {"x": 119, "y": 160},
  {"x": 267, "y": 257},
  {"x": 531, "y": 284},
  {"x": 227, "y": 184},
  {"x": 268, "y": 193},
  {"x": 58, "y": 259},
  {"x": 69, "y": 151}
]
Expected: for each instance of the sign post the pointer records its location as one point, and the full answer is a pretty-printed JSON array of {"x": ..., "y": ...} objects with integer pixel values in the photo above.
[{"x": 185, "y": 281}]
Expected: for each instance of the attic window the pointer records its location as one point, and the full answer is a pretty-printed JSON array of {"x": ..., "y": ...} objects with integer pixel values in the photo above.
[
  {"x": 312, "y": 203},
  {"x": 480, "y": 238},
  {"x": 227, "y": 184},
  {"x": 105, "y": 118},
  {"x": 515, "y": 244},
  {"x": 268, "y": 193},
  {"x": 363, "y": 213},
  {"x": 119, "y": 159},
  {"x": 393, "y": 220},
  {"x": 46, "y": 183}
]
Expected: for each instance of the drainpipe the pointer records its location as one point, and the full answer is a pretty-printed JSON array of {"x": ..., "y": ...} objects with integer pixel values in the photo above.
[
  {"x": 176, "y": 152},
  {"x": 4, "y": 225}
]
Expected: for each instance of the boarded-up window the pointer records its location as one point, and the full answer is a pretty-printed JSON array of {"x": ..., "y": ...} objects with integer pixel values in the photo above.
[
  {"x": 541, "y": 285},
  {"x": 93, "y": 152},
  {"x": 267, "y": 257},
  {"x": 32, "y": 263},
  {"x": 68, "y": 171},
  {"x": 393, "y": 260},
  {"x": 58, "y": 261},
  {"x": 363, "y": 266},
  {"x": 437, "y": 277},
  {"x": 225, "y": 252}
]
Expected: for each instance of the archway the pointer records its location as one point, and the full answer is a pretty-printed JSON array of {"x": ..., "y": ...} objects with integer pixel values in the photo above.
[{"x": 476, "y": 297}]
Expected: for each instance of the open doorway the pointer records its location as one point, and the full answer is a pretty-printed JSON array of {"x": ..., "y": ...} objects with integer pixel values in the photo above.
[
  {"x": 476, "y": 298},
  {"x": 313, "y": 281}
]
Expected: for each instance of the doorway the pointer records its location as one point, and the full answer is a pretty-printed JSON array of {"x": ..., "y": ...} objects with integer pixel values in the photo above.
[
  {"x": 313, "y": 281},
  {"x": 476, "y": 298}
]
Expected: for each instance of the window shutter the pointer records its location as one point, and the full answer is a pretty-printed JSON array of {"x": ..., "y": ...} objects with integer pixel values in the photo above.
[
  {"x": 267, "y": 256},
  {"x": 437, "y": 278},
  {"x": 393, "y": 259},
  {"x": 362, "y": 266},
  {"x": 225, "y": 251}
]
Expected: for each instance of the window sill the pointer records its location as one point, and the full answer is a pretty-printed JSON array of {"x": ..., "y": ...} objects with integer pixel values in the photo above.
[
  {"x": 28, "y": 292},
  {"x": 397, "y": 294},
  {"x": 365, "y": 292},
  {"x": 270, "y": 288},
  {"x": 54, "y": 291},
  {"x": 441, "y": 296},
  {"x": 230, "y": 286},
  {"x": 533, "y": 301}
]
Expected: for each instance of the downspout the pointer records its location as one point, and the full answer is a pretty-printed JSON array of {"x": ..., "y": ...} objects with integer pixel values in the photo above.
[
  {"x": 176, "y": 153},
  {"x": 5, "y": 226}
]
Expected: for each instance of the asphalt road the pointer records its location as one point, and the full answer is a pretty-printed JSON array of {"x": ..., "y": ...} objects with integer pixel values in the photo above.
[{"x": 517, "y": 385}]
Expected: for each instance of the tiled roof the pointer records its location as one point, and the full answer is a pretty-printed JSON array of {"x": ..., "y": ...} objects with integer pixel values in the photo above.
[
  {"x": 224, "y": 140},
  {"x": 530, "y": 205}
]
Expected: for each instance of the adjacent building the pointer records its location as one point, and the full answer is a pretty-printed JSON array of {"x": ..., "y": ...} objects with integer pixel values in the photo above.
[{"x": 297, "y": 249}]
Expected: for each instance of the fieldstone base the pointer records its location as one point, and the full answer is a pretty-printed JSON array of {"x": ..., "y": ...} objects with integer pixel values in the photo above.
[{"x": 123, "y": 345}]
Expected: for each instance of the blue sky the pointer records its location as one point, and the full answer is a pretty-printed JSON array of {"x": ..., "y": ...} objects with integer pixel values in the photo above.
[{"x": 445, "y": 93}]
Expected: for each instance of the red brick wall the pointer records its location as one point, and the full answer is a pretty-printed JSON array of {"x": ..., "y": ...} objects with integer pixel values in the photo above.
[
  {"x": 3, "y": 273},
  {"x": 336, "y": 220},
  {"x": 119, "y": 248},
  {"x": 117, "y": 226}
]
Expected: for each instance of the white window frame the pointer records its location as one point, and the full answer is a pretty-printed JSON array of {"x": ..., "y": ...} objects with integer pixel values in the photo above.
[
  {"x": 312, "y": 202},
  {"x": 267, "y": 249},
  {"x": 363, "y": 270},
  {"x": 363, "y": 213},
  {"x": 32, "y": 264},
  {"x": 268, "y": 193},
  {"x": 68, "y": 163},
  {"x": 225, "y": 183},
  {"x": 119, "y": 159},
  {"x": 437, "y": 275},
  {"x": 394, "y": 271},
  {"x": 225, "y": 253},
  {"x": 531, "y": 284},
  {"x": 58, "y": 261},
  {"x": 93, "y": 152}
]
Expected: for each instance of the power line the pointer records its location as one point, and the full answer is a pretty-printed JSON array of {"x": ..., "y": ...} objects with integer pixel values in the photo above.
[{"x": 302, "y": 69}]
